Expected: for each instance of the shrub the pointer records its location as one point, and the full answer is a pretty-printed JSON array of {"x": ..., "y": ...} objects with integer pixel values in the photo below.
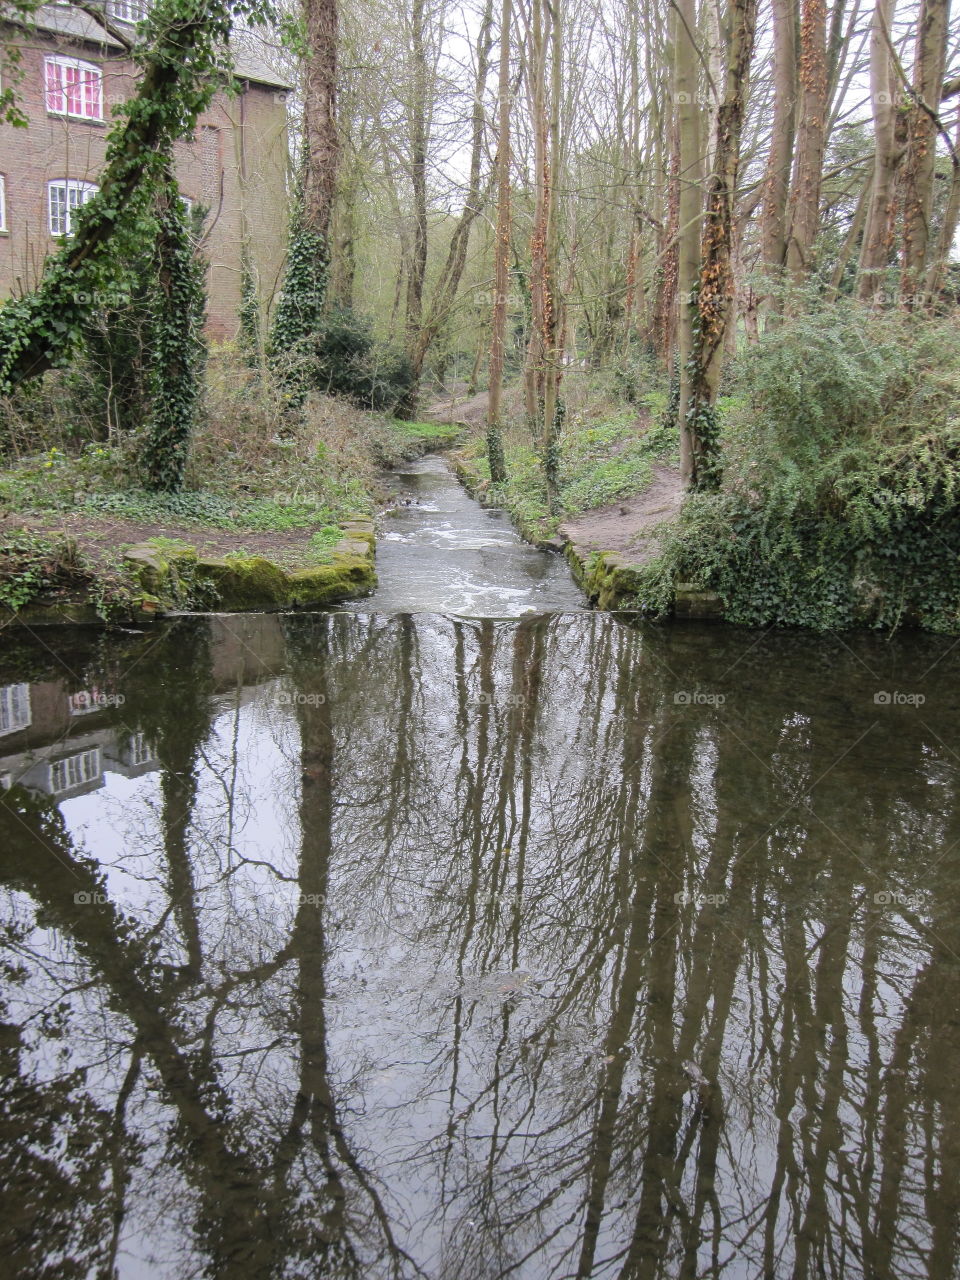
[
  {"x": 349, "y": 363},
  {"x": 842, "y": 471}
]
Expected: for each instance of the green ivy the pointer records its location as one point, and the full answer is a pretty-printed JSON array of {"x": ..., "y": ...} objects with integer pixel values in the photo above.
[
  {"x": 183, "y": 59},
  {"x": 299, "y": 310},
  {"x": 177, "y": 347},
  {"x": 251, "y": 340},
  {"x": 842, "y": 479}
]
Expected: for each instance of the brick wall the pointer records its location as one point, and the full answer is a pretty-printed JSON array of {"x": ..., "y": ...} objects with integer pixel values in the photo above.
[{"x": 236, "y": 164}]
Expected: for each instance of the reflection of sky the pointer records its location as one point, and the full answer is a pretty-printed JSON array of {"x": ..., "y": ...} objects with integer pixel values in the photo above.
[{"x": 431, "y": 1023}]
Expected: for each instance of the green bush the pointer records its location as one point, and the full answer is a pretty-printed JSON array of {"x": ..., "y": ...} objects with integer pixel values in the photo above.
[
  {"x": 842, "y": 472},
  {"x": 347, "y": 362}
]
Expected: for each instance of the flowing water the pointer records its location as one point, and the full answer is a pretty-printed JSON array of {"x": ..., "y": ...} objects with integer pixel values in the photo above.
[
  {"x": 380, "y": 943},
  {"x": 440, "y": 552}
]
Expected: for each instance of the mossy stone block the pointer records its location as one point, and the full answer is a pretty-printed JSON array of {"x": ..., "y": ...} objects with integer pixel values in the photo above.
[{"x": 244, "y": 582}]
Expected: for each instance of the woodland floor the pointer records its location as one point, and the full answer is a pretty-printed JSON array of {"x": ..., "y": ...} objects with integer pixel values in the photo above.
[{"x": 628, "y": 527}]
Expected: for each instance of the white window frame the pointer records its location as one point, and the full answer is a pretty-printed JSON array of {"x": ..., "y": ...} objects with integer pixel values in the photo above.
[
  {"x": 3, "y": 202},
  {"x": 61, "y": 94},
  {"x": 128, "y": 10},
  {"x": 139, "y": 749},
  {"x": 75, "y": 771},
  {"x": 15, "y": 713},
  {"x": 75, "y": 196}
]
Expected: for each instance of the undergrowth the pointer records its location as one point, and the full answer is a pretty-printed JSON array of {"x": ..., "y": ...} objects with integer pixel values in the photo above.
[{"x": 842, "y": 472}]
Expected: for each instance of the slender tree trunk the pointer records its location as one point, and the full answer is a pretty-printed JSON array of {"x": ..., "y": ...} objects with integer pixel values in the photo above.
[
  {"x": 715, "y": 294},
  {"x": 811, "y": 141},
  {"x": 948, "y": 229},
  {"x": 773, "y": 229},
  {"x": 554, "y": 315},
  {"x": 687, "y": 107},
  {"x": 888, "y": 152},
  {"x": 501, "y": 264},
  {"x": 921, "y": 158},
  {"x": 539, "y": 306},
  {"x": 418, "y": 171}
]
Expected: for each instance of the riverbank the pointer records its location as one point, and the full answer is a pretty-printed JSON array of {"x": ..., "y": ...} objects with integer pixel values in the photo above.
[
  {"x": 287, "y": 522},
  {"x": 830, "y": 503}
]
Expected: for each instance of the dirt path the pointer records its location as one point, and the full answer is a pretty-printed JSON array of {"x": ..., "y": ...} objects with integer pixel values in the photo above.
[
  {"x": 628, "y": 527},
  {"x": 470, "y": 409}
]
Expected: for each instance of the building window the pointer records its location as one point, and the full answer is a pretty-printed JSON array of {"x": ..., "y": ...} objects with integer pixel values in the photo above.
[
  {"x": 3, "y": 203},
  {"x": 139, "y": 750},
  {"x": 14, "y": 707},
  {"x": 75, "y": 771},
  {"x": 87, "y": 700},
  {"x": 128, "y": 10},
  {"x": 65, "y": 197},
  {"x": 74, "y": 88}
]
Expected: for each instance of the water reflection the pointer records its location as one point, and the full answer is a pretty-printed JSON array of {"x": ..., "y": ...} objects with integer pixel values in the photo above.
[{"x": 396, "y": 946}]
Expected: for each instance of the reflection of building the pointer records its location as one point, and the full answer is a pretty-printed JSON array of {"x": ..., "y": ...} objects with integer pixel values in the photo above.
[
  {"x": 60, "y": 741},
  {"x": 76, "y": 765},
  {"x": 14, "y": 708},
  {"x": 50, "y": 757}
]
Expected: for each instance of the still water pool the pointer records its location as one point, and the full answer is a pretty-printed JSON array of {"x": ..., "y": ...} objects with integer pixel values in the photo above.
[{"x": 399, "y": 944}]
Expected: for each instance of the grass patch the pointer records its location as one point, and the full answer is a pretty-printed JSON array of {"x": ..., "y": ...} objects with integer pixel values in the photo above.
[{"x": 602, "y": 460}]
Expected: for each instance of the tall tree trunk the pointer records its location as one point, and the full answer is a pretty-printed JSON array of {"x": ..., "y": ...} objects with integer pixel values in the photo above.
[
  {"x": 715, "y": 294},
  {"x": 501, "y": 265},
  {"x": 921, "y": 158},
  {"x": 948, "y": 229},
  {"x": 888, "y": 151},
  {"x": 687, "y": 107},
  {"x": 553, "y": 335},
  {"x": 811, "y": 141},
  {"x": 418, "y": 171},
  {"x": 543, "y": 356},
  {"x": 773, "y": 227},
  {"x": 321, "y": 140}
]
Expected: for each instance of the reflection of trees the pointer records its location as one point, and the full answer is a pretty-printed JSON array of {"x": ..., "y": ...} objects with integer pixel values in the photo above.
[{"x": 488, "y": 1031}]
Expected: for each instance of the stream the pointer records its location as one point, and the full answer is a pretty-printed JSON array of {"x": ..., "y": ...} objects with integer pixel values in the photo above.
[{"x": 466, "y": 933}]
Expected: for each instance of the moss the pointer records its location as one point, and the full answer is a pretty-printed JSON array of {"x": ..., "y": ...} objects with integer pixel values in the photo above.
[
  {"x": 170, "y": 575},
  {"x": 244, "y": 582},
  {"x": 606, "y": 577},
  {"x": 360, "y": 531},
  {"x": 324, "y": 584}
]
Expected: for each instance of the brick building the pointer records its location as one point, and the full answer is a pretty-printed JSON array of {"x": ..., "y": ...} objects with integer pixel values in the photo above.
[{"x": 236, "y": 164}]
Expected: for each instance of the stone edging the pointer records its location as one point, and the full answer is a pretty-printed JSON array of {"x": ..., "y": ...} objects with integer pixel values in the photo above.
[{"x": 175, "y": 580}]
